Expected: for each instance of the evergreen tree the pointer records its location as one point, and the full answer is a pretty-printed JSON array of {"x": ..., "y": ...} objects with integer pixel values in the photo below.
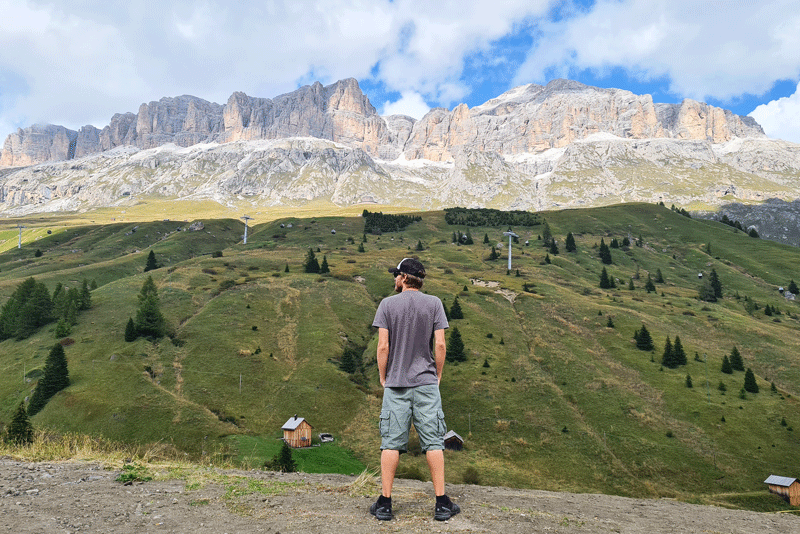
[
  {"x": 553, "y": 247},
  {"x": 793, "y": 288},
  {"x": 283, "y": 461},
  {"x": 688, "y": 381},
  {"x": 286, "y": 270},
  {"x": 20, "y": 431},
  {"x": 668, "y": 358},
  {"x": 643, "y": 339},
  {"x": 768, "y": 310},
  {"x": 130, "y": 331},
  {"x": 419, "y": 245},
  {"x": 324, "y": 267},
  {"x": 605, "y": 253},
  {"x": 659, "y": 277},
  {"x": 468, "y": 240},
  {"x": 610, "y": 322},
  {"x": 649, "y": 286},
  {"x": 455, "y": 310},
  {"x": 679, "y": 355},
  {"x": 750, "y": 384},
  {"x": 63, "y": 328},
  {"x": 54, "y": 379},
  {"x": 547, "y": 235},
  {"x": 706, "y": 292},
  {"x": 753, "y": 233},
  {"x": 614, "y": 242},
  {"x": 737, "y": 364},
  {"x": 630, "y": 284},
  {"x": 626, "y": 242},
  {"x": 547, "y": 259},
  {"x": 361, "y": 247},
  {"x": 455, "y": 237},
  {"x": 722, "y": 387},
  {"x": 351, "y": 360},
  {"x": 716, "y": 285},
  {"x": 494, "y": 254},
  {"x": 726, "y": 366},
  {"x": 605, "y": 281},
  {"x": 485, "y": 239},
  {"x": 569, "y": 245},
  {"x": 150, "y": 321},
  {"x": 311, "y": 265},
  {"x": 455, "y": 347},
  {"x": 151, "y": 262},
  {"x": 85, "y": 297}
]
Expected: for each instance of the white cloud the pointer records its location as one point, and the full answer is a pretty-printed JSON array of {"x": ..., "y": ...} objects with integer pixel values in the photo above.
[
  {"x": 781, "y": 118},
  {"x": 714, "y": 48},
  {"x": 410, "y": 103}
]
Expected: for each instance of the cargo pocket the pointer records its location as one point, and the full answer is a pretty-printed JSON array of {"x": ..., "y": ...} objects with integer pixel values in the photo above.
[
  {"x": 442, "y": 424},
  {"x": 385, "y": 423}
]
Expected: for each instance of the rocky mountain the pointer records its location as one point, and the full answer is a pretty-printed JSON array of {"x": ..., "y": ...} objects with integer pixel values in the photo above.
[{"x": 533, "y": 147}]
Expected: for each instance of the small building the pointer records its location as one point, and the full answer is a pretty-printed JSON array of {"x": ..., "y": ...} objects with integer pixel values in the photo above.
[
  {"x": 453, "y": 442},
  {"x": 297, "y": 432},
  {"x": 788, "y": 488}
]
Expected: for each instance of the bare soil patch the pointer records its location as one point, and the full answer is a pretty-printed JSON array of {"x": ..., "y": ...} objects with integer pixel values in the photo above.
[{"x": 84, "y": 497}]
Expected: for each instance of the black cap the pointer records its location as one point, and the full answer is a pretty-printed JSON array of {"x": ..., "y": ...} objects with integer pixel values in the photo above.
[{"x": 409, "y": 266}]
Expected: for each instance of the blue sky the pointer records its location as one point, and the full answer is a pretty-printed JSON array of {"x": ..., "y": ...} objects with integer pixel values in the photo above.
[{"x": 79, "y": 62}]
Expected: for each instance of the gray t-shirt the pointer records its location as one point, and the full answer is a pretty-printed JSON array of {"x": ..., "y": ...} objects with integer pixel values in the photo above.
[{"x": 411, "y": 318}]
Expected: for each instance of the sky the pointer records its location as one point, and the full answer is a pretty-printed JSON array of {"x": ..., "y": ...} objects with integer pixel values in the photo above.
[{"x": 79, "y": 62}]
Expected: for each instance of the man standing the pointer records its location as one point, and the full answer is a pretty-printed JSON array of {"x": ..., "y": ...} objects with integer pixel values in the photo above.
[{"x": 411, "y": 354}]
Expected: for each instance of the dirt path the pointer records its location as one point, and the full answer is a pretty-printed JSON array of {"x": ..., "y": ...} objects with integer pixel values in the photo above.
[{"x": 79, "y": 497}]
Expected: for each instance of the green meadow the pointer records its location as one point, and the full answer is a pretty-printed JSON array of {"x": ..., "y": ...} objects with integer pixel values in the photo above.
[{"x": 550, "y": 397}]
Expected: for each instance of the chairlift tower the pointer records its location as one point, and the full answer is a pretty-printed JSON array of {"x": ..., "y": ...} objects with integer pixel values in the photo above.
[
  {"x": 19, "y": 244},
  {"x": 246, "y": 218},
  {"x": 510, "y": 235}
]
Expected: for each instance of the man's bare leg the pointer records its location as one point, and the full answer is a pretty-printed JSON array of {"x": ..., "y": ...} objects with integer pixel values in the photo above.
[
  {"x": 389, "y": 461},
  {"x": 436, "y": 465}
]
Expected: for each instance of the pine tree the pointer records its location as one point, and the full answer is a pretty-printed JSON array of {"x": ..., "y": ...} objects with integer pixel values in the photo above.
[
  {"x": 614, "y": 242},
  {"x": 649, "y": 286},
  {"x": 311, "y": 265},
  {"x": 706, "y": 292},
  {"x": 605, "y": 253},
  {"x": 151, "y": 262},
  {"x": 753, "y": 233},
  {"x": 324, "y": 267},
  {"x": 455, "y": 347},
  {"x": 626, "y": 242},
  {"x": 750, "y": 384},
  {"x": 468, "y": 240},
  {"x": 553, "y": 247},
  {"x": 569, "y": 245},
  {"x": 605, "y": 281},
  {"x": 668, "y": 358},
  {"x": 610, "y": 322},
  {"x": 547, "y": 259},
  {"x": 688, "y": 381},
  {"x": 737, "y": 364},
  {"x": 494, "y": 254},
  {"x": 20, "y": 431},
  {"x": 455, "y": 237},
  {"x": 679, "y": 355},
  {"x": 630, "y": 284},
  {"x": 283, "y": 461},
  {"x": 63, "y": 328},
  {"x": 726, "y": 366},
  {"x": 716, "y": 285},
  {"x": 286, "y": 270},
  {"x": 793, "y": 288},
  {"x": 130, "y": 331},
  {"x": 150, "y": 321},
  {"x": 361, "y": 247},
  {"x": 455, "y": 310},
  {"x": 547, "y": 235},
  {"x": 485, "y": 239},
  {"x": 419, "y": 245},
  {"x": 54, "y": 379},
  {"x": 659, "y": 277},
  {"x": 85, "y": 297},
  {"x": 643, "y": 339}
]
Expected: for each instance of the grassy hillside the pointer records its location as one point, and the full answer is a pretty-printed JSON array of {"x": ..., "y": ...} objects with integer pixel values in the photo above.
[{"x": 550, "y": 397}]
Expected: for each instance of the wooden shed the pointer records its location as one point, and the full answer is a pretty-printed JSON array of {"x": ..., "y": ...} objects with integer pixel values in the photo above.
[
  {"x": 788, "y": 488},
  {"x": 453, "y": 442},
  {"x": 297, "y": 432}
]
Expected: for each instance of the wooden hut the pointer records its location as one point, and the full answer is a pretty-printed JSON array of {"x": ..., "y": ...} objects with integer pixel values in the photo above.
[
  {"x": 453, "y": 442},
  {"x": 788, "y": 488},
  {"x": 297, "y": 432}
]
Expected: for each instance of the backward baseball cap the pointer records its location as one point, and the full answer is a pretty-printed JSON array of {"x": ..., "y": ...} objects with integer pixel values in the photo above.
[{"x": 409, "y": 266}]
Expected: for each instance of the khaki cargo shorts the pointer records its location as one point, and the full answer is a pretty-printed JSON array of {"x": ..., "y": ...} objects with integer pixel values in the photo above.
[{"x": 420, "y": 404}]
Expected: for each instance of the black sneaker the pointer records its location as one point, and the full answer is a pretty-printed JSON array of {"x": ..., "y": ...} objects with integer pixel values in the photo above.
[
  {"x": 443, "y": 512},
  {"x": 381, "y": 511}
]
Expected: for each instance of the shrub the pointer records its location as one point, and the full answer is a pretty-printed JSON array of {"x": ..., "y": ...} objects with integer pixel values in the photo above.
[{"x": 471, "y": 476}]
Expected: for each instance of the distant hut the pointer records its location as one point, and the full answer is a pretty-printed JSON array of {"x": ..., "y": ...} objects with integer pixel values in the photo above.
[
  {"x": 788, "y": 488},
  {"x": 453, "y": 442},
  {"x": 297, "y": 432}
]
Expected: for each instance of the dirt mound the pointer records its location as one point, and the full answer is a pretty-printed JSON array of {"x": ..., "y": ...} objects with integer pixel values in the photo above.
[{"x": 79, "y": 497}]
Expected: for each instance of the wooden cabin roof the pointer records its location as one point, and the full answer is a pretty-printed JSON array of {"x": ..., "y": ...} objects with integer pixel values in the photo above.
[
  {"x": 776, "y": 480},
  {"x": 293, "y": 423}
]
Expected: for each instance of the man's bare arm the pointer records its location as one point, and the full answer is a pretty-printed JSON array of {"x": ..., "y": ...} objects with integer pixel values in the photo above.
[
  {"x": 440, "y": 350},
  {"x": 383, "y": 353}
]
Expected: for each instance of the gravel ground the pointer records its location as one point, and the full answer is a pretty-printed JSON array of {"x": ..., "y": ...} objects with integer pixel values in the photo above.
[{"x": 84, "y": 497}]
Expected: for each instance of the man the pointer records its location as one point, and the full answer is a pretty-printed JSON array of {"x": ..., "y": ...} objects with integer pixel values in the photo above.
[{"x": 411, "y": 353}]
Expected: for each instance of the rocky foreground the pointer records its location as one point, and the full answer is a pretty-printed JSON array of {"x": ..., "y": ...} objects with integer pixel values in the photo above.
[{"x": 85, "y": 497}]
